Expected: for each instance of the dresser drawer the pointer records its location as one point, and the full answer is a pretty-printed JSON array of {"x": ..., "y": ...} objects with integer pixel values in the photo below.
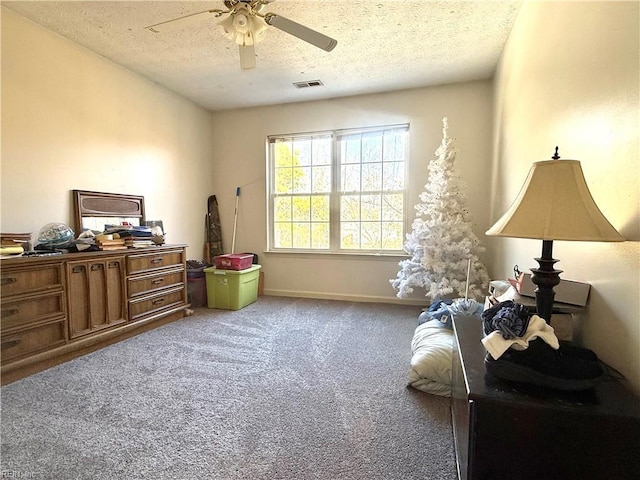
[
  {"x": 141, "y": 307},
  {"x": 30, "y": 279},
  {"x": 148, "y": 262},
  {"x": 33, "y": 340},
  {"x": 32, "y": 310},
  {"x": 144, "y": 284}
]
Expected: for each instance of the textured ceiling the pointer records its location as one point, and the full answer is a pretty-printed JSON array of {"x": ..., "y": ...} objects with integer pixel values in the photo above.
[{"x": 383, "y": 45}]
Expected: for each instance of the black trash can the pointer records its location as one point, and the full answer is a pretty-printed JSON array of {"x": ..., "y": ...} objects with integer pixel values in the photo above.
[{"x": 196, "y": 284}]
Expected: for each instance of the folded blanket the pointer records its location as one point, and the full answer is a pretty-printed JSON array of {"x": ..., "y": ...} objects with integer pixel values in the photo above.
[{"x": 432, "y": 350}]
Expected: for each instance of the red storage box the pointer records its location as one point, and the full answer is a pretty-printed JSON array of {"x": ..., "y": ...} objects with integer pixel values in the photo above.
[{"x": 233, "y": 261}]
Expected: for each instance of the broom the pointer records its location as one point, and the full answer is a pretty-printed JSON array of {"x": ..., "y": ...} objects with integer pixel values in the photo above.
[{"x": 235, "y": 222}]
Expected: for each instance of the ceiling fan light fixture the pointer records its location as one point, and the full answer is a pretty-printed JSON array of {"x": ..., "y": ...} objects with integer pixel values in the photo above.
[
  {"x": 258, "y": 28},
  {"x": 244, "y": 23},
  {"x": 243, "y": 29},
  {"x": 228, "y": 27},
  {"x": 241, "y": 22}
]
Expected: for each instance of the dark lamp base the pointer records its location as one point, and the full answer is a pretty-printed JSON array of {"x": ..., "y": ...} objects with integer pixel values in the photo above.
[{"x": 545, "y": 278}]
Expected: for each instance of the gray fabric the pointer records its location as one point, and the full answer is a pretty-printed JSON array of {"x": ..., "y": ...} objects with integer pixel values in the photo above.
[{"x": 282, "y": 389}]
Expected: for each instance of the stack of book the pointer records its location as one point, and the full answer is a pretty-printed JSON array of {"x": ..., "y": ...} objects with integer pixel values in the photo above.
[
  {"x": 111, "y": 244},
  {"x": 14, "y": 243},
  {"x": 133, "y": 242}
]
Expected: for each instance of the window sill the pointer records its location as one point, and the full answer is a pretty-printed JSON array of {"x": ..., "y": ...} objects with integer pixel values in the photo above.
[{"x": 342, "y": 255}]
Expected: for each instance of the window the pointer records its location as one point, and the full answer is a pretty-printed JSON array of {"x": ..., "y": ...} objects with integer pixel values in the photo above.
[{"x": 341, "y": 191}]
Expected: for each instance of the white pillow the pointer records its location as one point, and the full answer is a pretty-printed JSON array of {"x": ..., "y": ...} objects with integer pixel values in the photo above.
[{"x": 431, "y": 350}]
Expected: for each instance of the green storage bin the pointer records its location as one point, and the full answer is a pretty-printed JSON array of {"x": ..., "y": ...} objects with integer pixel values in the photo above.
[{"x": 232, "y": 289}]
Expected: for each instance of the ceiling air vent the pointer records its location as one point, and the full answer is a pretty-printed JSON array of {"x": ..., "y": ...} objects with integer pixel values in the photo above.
[{"x": 310, "y": 83}]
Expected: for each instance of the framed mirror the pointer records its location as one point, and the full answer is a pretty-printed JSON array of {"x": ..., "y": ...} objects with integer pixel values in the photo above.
[{"x": 94, "y": 210}]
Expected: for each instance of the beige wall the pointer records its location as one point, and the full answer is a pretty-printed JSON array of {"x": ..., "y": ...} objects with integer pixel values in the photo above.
[
  {"x": 239, "y": 155},
  {"x": 569, "y": 76},
  {"x": 73, "y": 120}
]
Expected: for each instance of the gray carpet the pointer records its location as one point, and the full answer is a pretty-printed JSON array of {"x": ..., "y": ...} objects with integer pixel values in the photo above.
[{"x": 282, "y": 389}]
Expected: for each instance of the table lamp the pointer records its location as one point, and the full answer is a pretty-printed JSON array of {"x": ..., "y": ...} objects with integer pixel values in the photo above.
[{"x": 553, "y": 204}]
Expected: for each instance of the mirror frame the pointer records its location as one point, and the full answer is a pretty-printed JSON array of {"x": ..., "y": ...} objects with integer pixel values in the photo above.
[{"x": 101, "y": 204}]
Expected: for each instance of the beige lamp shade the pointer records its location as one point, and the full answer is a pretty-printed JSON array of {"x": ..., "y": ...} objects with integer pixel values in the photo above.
[{"x": 555, "y": 204}]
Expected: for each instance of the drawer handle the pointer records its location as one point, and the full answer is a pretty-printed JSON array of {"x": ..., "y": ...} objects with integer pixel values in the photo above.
[
  {"x": 77, "y": 269},
  {"x": 158, "y": 301},
  {"x": 114, "y": 264},
  {"x": 155, "y": 261},
  {"x": 157, "y": 281},
  {"x": 10, "y": 312},
  {"x": 10, "y": 343},
  {"x": 8, "y": 280},
  {"x": 96, "y": 266}
]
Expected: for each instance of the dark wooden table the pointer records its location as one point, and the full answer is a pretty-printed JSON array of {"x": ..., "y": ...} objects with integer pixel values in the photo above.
[{"x": 507, "y": 431}]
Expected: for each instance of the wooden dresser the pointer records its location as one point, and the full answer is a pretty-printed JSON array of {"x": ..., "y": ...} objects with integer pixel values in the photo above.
[
  {"x": 508, "y": 431},
  {"x": 55, "y": 308}
]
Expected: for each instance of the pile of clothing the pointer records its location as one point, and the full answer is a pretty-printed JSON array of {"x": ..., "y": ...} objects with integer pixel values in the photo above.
[{"x": 523, "y": 348}]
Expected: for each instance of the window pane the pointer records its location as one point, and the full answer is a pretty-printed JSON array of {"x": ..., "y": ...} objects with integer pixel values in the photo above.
[
  {"x": 370, "y": 208},
  {"x": 394, "y": 145},
  {"x": 393, "y": 207},
  {"x": 320, "y": 237},
  {"x": 283, "y": 154},
  {"x": 350, "y": 178},
  {"x": 301, "y": 209},
  {"x": 320, "y": 205},
  {"x": 302, "y": 180},
  {"x": 351, "y": 149},
  {"x": 282, "y": 235},
  {"x": 321, "y": 154},
  {"x": 350, "y": 208},
  {"x": 370, "y": 235},
  {"x": 321, "y": 179},
  {"x": 392, "y": 235},
  {"x": 301, "y": 235},
  {"x": 284, "y": 180},
  {"x": 371, "y": 177},
  {"x": 349, "y": 235},
  {"x": 302, "y": 152},
  {"x": 371, "y": 148},
  {"x": 393, "y": 176},
  {"x": 282, "y": 209}
]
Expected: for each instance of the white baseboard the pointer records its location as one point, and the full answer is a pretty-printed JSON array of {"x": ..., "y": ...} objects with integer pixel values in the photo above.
[{"x": 346, "y": 297}]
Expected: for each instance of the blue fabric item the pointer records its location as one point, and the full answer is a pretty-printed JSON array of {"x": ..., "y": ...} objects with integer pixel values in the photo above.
[
  {"x": 509, "y": 318},
  {"x": 129, "y": 230},
  {"x": 436, "y": 311},
  {"x": 466, "y": 307},
  {"x": 463, "y": 307},
  {"x": 444, "y": 310}
]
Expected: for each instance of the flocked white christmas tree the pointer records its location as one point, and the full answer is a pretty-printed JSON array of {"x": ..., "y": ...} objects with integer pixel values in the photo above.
[{"x": 442, "y": 245}]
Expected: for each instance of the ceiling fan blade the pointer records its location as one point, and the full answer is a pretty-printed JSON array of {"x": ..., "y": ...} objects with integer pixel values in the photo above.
[
  {"x": 304, "y": 33},
  {"x": 181, "y": 22},
  {"x": 247, "y": 57}
]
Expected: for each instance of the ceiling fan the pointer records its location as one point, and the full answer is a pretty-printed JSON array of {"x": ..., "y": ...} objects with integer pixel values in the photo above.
[{"x": 246, "y": 25}]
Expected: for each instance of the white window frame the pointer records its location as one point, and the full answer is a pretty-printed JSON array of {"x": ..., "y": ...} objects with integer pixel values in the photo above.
[{"x": 335, "y": 190}]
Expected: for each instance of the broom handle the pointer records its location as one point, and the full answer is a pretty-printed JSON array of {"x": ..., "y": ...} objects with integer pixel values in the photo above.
[
  {"x": 466, "y": 293},
  {"x": 235, "y": 222}
]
